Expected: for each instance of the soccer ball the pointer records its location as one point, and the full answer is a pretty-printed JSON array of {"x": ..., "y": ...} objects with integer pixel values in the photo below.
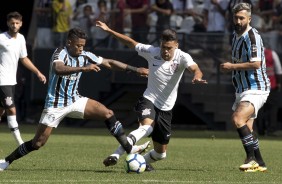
[{"x": 134, "y": 163}]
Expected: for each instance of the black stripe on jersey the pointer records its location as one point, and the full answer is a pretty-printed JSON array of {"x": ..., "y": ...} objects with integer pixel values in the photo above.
[
  {"x": 57, "y": 96},
  {"x": 264, "y": 75},
  {"x": 57, "y": 92},
  {"x": 57, "y": 53},
  {"x": 254, "y": 54},
  {"x": 253, "y": 42},
  {"x": 247, "y": 79},
  {"x": 246, "y": 50},
  {"x": 77, "y": 64}
]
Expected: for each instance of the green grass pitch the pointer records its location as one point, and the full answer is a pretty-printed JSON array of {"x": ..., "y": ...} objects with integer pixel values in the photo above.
[{"x": 75, "y": 155}]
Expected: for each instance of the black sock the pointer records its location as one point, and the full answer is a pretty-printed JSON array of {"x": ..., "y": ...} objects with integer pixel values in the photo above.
[
  {"x": 247, "y": 140},
  {"x": 133, "y": 138},
  {"x": 116, "y": 129},
  {"x": 257, "y": 151},
  {"x": 21, "y": 151}
]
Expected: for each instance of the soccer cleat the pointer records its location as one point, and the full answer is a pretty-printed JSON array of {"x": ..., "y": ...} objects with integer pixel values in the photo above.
[
  {"x": 262, "y": 168},
  {"x": 110, "y": 160},
  {"x": 249, "y": 164},
  {"x": 3, "y": 165},
  {"x": 143, "y": 147},
  {"x": 149, "y": 168},
  {"x": 258, "y": 169}
]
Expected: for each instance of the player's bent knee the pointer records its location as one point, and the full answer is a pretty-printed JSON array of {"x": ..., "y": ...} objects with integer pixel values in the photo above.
[{"x": 38, "y": 145}]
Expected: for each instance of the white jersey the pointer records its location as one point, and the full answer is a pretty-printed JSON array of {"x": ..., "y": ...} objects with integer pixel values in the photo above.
[
  {"x": 11, "y": 49},
  {"x": 164, "y": 76}
]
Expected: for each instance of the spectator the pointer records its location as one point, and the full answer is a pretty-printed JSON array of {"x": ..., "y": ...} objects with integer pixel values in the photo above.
[
  {"x": 44, "y": 24},
  {"x": 86, "y": 22},
  {"x": 163, "y": 9},
  {"x": 101, "y": 38},
  {"x": 267, "y": 116},
  {"x": 138, "y": 10},
  {"x": 214, "y": 21},
  {"x": 214, "y": 15},
  {"x": 181, "y": 8},
  {"x": 61, "y": 12},
  {"x": 119, "y": 22}
]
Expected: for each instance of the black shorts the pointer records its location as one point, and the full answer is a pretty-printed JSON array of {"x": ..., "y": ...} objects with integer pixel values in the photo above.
[
  {"x": 162, "y": 119},
  {"x": 7, "y": 94}
]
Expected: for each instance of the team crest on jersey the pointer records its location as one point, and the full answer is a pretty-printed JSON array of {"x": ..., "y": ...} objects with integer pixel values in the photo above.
[
  {"x": 146, "y": 112},
  {"x": 51, "y": 117},
  {"x": 254, "y": 48},
  {"x": 174, "y": 66},
  {"x": 8, "y": 101}
]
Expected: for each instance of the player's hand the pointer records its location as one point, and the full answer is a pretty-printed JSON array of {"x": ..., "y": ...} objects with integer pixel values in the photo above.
[
  {"x": 102, "y": 25},
  {"x": 143, "y": 72},
  {"x": 91, "y": 67},
  {"x": 41, "y": 77},
  {"x": 199, "y": 81},
  {"x": 226, "y": 67}
]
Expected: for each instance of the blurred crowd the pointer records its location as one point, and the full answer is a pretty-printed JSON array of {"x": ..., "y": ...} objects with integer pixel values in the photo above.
[{"x": 144, "y": 19}]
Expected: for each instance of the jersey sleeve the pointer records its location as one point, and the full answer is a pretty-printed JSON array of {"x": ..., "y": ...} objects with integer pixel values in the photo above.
[
  {"x": 23, "y": 51},
  {"x": 187, "y": 60},
  {"x": 255, "y": 46},
  {"x": 92, "y": 58},
  {"x": 144, "y": 50}
]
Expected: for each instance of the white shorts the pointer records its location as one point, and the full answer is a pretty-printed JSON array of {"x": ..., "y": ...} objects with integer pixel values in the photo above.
[
  {"x": 255, "y": 97},
  {"x": 53, "y": 116}
]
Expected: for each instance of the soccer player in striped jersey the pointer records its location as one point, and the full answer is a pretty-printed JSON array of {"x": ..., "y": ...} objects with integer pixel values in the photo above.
[
  {"x": 64, "y": 100},
  {"x": 167, "y": 64},
  {"x": 251, "y": 83}
]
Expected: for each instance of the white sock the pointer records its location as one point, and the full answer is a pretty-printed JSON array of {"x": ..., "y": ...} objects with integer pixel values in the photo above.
[
  {"x": 152, "y": 156},
  {"x": 142, "y": 131},
  {"x": 13, "y": 125}
]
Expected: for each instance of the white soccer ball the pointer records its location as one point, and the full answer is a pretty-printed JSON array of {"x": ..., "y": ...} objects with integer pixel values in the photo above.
[{"x": 135, "y": 163}]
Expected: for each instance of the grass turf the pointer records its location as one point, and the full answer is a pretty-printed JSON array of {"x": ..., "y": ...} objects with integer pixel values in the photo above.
[{"x": 75, "y": 155}]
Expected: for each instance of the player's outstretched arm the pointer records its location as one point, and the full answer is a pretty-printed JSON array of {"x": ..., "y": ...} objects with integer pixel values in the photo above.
[
  {"x": 61, "y": 69},
  {"x": 129, "y": 42},
  {"x": 119, "y": 66}
]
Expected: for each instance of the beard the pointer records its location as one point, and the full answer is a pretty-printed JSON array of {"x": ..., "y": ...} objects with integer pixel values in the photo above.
[{"x": 240, "y": 29}]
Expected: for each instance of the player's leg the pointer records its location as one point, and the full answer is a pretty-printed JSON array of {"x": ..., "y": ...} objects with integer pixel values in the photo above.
[
  {"x": 96, "y": 110},
  {"x": 154, "y": 155},
  {"x": 146, "y": 114},
  {"x": 241, "y": 115},
  {"x": 42, "y": 134},
  {"x": 160, "y": 136},
  {"x": 144, "y": 130},
  {"x": 262, "y": 166},
  {"x": 8, "y": 102}
]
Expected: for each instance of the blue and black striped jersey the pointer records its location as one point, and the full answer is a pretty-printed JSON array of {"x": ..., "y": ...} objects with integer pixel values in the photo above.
[
  {"x": 62, "y": 89},
  {"x": 249, "y": 48}
]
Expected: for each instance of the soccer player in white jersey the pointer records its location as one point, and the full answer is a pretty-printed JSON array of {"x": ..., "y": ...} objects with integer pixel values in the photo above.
[
  {"x": 166, "y": 64},
  {"x": 63, "y": 99},
  {"x": 251, "y": 84},
  {"x": 12, "y": 50}
]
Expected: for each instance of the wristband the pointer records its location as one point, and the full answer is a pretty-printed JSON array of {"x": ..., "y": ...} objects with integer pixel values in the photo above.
[{"x": 131, "y": 69}]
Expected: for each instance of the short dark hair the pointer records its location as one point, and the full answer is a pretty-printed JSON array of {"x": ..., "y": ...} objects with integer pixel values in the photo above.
[
  {"x": 14, "y": 15},
  {"x": 75, "y": 33},
  {"x": 169, "y": 35},
  {"x": 242, "y": 6}
]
